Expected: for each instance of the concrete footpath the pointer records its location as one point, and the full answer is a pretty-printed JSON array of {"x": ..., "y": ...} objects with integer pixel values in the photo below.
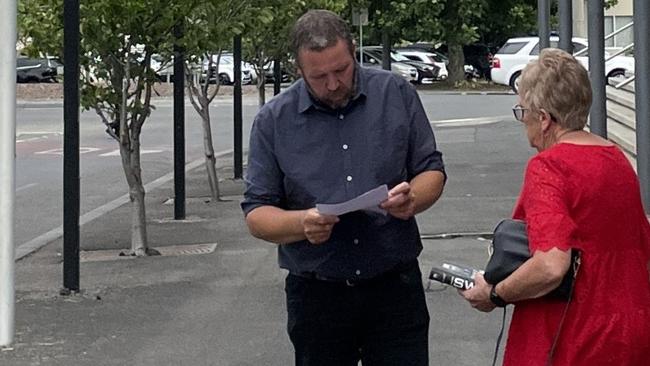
[{"x": 223, "y": 304}]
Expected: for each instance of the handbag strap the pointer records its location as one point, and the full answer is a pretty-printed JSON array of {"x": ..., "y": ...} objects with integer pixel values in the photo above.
[
  {"x": 551, "y": 352},
  {"x": 496, "y": 349}
]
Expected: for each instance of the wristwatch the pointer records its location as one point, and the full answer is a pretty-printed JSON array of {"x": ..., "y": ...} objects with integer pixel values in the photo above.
[{"x": 495, "y": 298}]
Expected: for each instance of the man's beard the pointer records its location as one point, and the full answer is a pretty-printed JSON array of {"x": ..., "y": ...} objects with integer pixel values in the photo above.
[{"x": 345, "y": 92}]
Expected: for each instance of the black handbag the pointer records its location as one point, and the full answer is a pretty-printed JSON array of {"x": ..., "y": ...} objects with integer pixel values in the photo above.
[{"x": 510, "y": 250}]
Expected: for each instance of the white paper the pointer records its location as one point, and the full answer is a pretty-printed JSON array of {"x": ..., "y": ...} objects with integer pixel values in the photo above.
[{"x": 367, "y": 201}]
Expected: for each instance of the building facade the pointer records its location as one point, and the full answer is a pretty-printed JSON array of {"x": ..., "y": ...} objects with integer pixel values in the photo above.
[{"x": 615, "y": 18}]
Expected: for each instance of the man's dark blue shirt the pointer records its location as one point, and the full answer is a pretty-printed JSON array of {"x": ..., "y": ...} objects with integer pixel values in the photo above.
[{"x": 302, "y": 153}]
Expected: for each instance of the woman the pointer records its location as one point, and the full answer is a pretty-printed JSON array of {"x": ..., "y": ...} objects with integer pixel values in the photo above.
[{"x": 580, "y": 192}]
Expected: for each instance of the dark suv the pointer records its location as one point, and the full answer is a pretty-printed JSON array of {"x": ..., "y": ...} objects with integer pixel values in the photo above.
[{"x": 37, "y": 69}]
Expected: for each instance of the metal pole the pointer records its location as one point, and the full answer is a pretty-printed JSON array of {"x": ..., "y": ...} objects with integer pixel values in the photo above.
[
  {"x": 7, "y": 168},
  {"x": 179, "y": 126},
  {"x": 386, "y": 50},
  {"x": 277, "y": 76},
  {"x": 543, "y": 23},
  {"x": 642, "y": 96},
  {"x": 237, "y": 100},
  {"x": 596, "y": 37},
  {"x": 565, "y": 8},
  {"x": 360, "y": 41},
  {"x": 71, "y": 195}
]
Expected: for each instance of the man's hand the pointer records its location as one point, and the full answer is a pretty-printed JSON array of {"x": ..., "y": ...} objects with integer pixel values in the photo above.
[
  {"x": 318, "y": 227},
  {"x": 400, "y": 202},
  {"x": 479, "y": 295}
]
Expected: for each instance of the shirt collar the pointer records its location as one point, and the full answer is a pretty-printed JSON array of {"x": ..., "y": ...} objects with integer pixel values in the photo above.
[{"x": 306, "y": 101}]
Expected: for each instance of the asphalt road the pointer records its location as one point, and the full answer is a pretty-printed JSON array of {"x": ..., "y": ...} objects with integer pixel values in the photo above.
[{"x": 39, "y": 143}]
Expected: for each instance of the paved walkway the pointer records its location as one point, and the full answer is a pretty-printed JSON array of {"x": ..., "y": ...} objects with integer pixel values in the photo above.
[{"x": 227, "y": 307}]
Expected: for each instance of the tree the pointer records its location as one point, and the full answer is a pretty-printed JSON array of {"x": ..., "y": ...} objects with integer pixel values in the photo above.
[
  {"x": 118, "y": 39},
  {"x": 504, "y": 19},
  {"x": 266, "y": 34},
  {"x": 208, "y": 31},
  {"x": 458, "y": 21}
]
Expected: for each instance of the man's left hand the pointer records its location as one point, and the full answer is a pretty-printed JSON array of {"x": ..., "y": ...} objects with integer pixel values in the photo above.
[{"x": 400, "y": 202}]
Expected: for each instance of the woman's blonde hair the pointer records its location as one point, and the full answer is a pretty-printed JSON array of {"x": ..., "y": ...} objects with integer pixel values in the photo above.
[{"x": 558, "y": 84}]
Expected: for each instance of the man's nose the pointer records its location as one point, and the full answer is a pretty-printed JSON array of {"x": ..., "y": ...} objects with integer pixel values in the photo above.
[{"x": 332, "y": 83}]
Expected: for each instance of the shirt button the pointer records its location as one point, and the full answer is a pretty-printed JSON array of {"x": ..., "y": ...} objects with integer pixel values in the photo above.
[
  {"x": 345, "y": 146},
  {"x": 341, "y": 116},
  {"x": 349, "y": 178},
  {"x": 358, "y": 272},
  {"x": 355, "y": 241}
]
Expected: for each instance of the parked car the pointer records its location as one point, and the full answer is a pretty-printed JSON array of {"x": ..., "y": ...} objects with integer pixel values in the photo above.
[
  {"x": 270, "y": 76},
  {"x": 426, "y": 73},
  {"x": 470, "y": 71},
  {"x": 427, "y": 58},
  {"x": 406, "y": 71},
  {"x": 477, "y": 55},
  {"x": 44, "y": 69},
  {"x": 226, "y": 69},
  {"x": 516, "y": 53}
]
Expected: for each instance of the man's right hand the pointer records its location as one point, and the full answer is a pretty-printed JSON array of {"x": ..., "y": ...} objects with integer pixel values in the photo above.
[{"x": 318, "y": 227}]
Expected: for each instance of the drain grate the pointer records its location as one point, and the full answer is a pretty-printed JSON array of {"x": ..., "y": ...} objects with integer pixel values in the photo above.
[{"x": 168, "y": 251}]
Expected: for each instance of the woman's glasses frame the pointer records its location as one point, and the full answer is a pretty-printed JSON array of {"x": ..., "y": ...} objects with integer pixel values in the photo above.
[{"x": 518, "y": 110}]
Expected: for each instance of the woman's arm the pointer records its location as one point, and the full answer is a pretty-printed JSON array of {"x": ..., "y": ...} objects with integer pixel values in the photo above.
[{"x": 538, "y": 276}]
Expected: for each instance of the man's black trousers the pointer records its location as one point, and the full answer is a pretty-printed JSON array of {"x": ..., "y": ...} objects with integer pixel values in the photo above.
[{"x": 382, "y": 322}]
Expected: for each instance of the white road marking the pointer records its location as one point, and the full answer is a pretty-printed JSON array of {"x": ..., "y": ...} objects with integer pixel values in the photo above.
[
  {"x": 59, "y": 151},
  {"x": 117, "y": 152},
  {"x": 469, "y": 121},
  {"x": 26, "y": 186},
  {"x": 41, "y": 136}
]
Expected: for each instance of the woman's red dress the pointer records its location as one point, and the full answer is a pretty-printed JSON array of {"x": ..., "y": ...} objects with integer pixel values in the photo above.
[{"x": 587, "y": 197}]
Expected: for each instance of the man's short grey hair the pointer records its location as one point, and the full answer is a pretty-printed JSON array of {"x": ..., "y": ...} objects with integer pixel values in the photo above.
[{"x": 319, "y": 29}]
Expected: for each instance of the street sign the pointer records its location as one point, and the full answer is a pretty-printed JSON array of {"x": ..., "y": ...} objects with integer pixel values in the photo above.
[{"x": 360, "y": 16}]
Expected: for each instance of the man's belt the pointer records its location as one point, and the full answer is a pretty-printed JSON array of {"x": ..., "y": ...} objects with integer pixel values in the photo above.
[{"x": 398, "y": 269}]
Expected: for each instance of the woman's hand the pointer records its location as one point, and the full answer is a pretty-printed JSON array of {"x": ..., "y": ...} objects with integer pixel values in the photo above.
[{"x": 479, "y": 295}]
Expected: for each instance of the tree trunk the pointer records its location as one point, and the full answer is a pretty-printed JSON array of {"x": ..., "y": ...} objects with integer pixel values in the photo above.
[
  {"x": 208, "y": 149},
  {"x": 130, "y": 153},
  {"x": 261, "y": 88},
  {"x": 132, "y": 170},
  {"x": 456, "y": 63}
]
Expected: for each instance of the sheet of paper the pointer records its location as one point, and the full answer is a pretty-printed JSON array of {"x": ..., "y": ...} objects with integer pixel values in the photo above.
[{"x": 367, "y": 201}]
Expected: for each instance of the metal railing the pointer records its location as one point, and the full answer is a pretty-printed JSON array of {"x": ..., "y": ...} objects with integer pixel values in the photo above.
[
  {"x": 625, "y": 49},
  {"x": 613, "y": 34}
]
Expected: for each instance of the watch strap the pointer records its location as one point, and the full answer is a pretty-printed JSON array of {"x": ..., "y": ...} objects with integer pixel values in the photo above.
[{"x": 495, "y": 298}]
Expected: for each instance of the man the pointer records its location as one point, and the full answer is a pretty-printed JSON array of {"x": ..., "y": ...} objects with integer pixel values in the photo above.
[{"x": 354, "y": 289}]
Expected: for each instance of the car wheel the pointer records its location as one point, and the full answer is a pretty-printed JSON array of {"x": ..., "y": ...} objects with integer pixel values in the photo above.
[
  {"x": 615, "y": 74},
  {"x": 514, "y": 82},
  {"x": 224, "y": 79}
]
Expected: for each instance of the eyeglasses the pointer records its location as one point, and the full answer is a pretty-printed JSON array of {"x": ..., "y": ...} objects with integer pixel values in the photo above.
[{"x": 518, "y": 111}]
